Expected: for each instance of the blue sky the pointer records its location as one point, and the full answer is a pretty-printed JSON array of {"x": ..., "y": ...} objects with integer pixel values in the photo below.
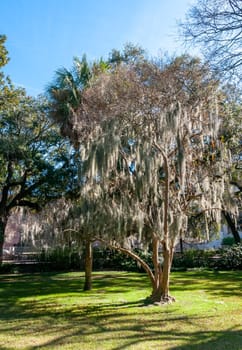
[{"x": 44, "y": 35}]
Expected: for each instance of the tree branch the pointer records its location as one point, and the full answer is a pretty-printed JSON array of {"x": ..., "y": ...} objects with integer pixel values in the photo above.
[{"x": 133, "y": 256}]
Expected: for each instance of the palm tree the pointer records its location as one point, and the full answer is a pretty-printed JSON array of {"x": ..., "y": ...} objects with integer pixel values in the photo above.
[{"x": 64, "y": 93}]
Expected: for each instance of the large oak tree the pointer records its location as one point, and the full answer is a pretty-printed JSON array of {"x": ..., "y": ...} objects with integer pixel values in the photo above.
[{"x": 36, "y": 163}]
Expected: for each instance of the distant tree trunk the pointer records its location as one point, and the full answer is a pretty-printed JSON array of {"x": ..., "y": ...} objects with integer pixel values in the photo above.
[
  {"x": 181, "y": 244},
  {"x": 232, "y": 226},
  {"x": 88, "y": 265},
  {"x": 3, "y": 224}
]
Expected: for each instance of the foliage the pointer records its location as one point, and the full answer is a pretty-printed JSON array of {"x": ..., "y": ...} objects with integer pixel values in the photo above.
[
  {"x": 36, "y": 163},
  {"x": 6, "y": 268},
  {"x": 9, "y": 95},
  {"x": 155, "y": 157},
  {"x": 130, "y": 53},
  {"x": 61, "y": 259},
  {"x": 3, "y": 51},
  {"x": 230, "y": 134},
  {"x": 114, "y": 260},
  {"x": 230, "y": 258},
  {"x": 193, "y": 258},
  {"x": 227, "y": 258},
  {"x": 65, "y": 93},
  {"x": 152, "y": 156},
  {"x": 66, "y": 259},
  {"x": 228, "y": 241}
]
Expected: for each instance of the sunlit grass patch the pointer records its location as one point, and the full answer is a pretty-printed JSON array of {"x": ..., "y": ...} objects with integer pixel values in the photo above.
[{"x": 50, "y": 311}]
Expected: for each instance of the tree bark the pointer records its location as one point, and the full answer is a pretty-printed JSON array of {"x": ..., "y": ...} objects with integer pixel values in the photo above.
[
  {"x": 139, "y": 260},
  {"x": 232, "y": 226},
  {"x": 160, "y": 278},
  {"x": 160, "y": 294},
  {"x": 162, "y": 274},
  {"x": 88, "y": 265},
  {"x": 3, "y": 224}
]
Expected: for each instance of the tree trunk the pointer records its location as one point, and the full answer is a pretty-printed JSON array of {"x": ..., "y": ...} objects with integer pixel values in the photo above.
[
  {"x": 232, "y": 226},
  {"x": 160, "y": 278},
  {"x": 88, "y": 265},
  {"x": 3, "y": 224},
  {"x": 138, "y": 259},
  {"x": 181, "y": 245},
  {"x": 160, "y": 294}
]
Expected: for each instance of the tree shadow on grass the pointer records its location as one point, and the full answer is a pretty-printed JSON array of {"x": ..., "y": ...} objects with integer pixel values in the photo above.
[
  {"x": 216, "y": 283},
  {"x": 34, "y": 296},
  {"x": 27, "y": 285},
  {"x": 132, "y": 335},
  {"x": 230, "y": 339},
  {"x": 106, "y": 321}
]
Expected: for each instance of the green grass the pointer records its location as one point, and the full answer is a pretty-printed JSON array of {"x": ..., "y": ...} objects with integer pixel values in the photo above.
[{"x": 50, "y": 311}]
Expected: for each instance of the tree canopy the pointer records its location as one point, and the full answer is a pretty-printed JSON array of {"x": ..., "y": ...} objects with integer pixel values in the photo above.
[
  {"x": 151, "y": 153},
  {"x": 36, "y": 163}
]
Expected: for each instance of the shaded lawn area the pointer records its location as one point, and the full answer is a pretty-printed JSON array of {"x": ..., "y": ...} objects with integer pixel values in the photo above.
[{"x": 50, "y": 311}]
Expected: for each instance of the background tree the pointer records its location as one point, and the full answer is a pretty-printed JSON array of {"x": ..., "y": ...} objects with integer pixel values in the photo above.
[
  {"x": 36, "y": 162},
  {"x": 65, "y": 96},
  {"x": 9, "y": 95},
  {"x": 130, "y": 54},
  {"x": 65, "y": 91},
  {"x": 215, "y": 25},
  {"x": 231, "y": 135}
]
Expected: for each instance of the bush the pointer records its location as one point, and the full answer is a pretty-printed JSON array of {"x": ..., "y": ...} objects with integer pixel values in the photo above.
[
  {"x": 192, "y": 258},
  {"x": 6, "y": 268},
  {"x": 229, "y": 258},
  {"x": 115, "y": 260},
  {"x": 61, "y": 259},
  {"x": 229, "y": 241}
]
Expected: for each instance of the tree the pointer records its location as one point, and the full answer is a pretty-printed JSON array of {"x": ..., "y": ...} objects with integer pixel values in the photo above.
[
  {"x": 216, "y": 26},
  {"x": 64, "y": 93},
  {"x": 8, "y": 93},
  {"x": 231, "y": 136},
  {"x": 65, "y": 97},
  {"x": 68, "y": 224},
  {"x": 130, "y": 53},
  {"x": 155, "y": 157},
  {"x": 36, "y": 162}
]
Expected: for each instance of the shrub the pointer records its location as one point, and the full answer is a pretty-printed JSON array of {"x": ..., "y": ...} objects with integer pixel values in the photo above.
[
  {"x": 230, "y": 258},
  {"x": 229, "y": 241},
  {"x": 104, "y": 258},
  {"x": 192, "y": 258},
  {"x": 115, "y": 260},
  {"x": 61, "y": 259},
  {"x": 6, "y": 268}
]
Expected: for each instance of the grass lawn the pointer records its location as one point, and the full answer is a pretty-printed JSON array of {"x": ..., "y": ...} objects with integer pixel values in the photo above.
[{"x": 50, "y": 311}]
